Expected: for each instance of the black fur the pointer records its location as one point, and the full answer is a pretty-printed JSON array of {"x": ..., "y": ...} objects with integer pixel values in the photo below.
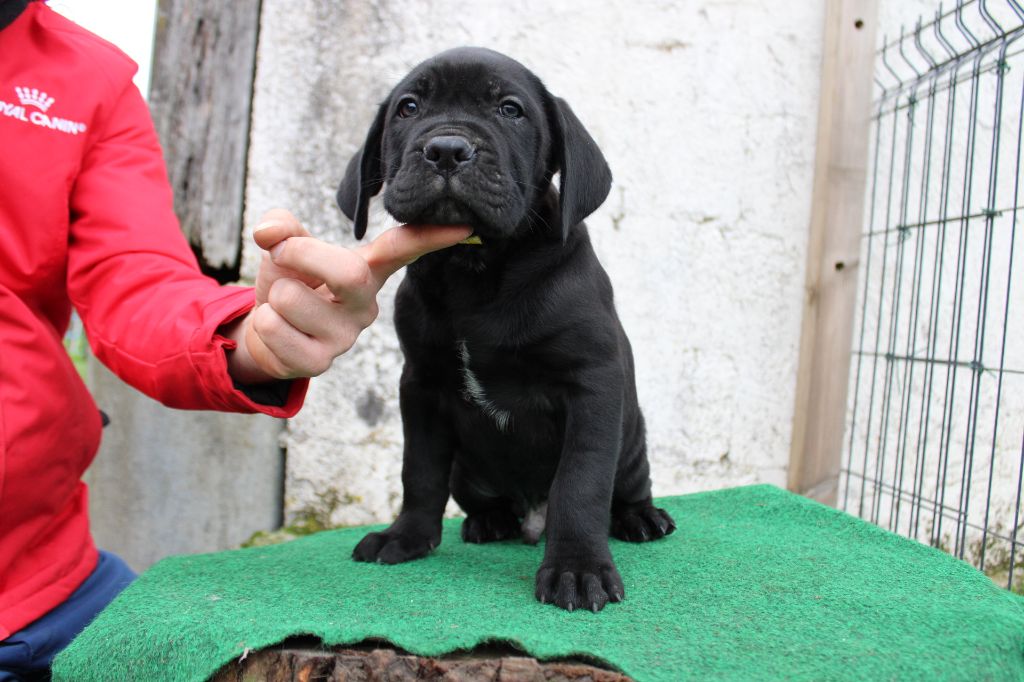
[{"x": 518, "y": 388}]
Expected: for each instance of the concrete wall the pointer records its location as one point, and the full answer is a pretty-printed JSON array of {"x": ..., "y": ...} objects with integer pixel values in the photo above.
[
  {"x": 707, "y": 114},
  {"x": 173, "y": 482}
]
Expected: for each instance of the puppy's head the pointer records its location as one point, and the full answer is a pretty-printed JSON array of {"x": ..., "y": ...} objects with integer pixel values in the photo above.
[{"x": 473, "y": 137}]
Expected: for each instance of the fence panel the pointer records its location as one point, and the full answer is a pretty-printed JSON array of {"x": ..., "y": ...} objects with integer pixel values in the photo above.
[{"x": 935, "y": 426}]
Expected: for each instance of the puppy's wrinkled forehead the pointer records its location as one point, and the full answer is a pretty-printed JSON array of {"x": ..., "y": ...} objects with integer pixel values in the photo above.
[{"x": 470, "y": 74}]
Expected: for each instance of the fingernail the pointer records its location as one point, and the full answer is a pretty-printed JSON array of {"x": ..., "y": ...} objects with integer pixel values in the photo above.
[
  {"x": 264, "y": 225},
  {"x": 276, "y": 249}
]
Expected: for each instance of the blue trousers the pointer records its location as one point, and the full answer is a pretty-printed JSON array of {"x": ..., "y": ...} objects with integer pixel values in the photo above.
[{"x": 27, "y": 654}]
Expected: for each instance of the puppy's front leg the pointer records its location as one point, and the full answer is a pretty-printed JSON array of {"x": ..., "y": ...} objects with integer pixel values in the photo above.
[
  {"x": 426, "y": 468},
  {"x": 578, "y": 571}
]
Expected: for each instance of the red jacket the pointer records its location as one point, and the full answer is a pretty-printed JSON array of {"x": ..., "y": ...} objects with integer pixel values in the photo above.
[{"x": 86, "y": 220}]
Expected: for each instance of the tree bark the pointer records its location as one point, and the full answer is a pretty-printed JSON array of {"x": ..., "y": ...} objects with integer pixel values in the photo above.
[{"x": 285, "y": 664}]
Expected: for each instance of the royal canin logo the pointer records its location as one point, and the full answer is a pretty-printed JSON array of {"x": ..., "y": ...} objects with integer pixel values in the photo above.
[{"x": 33, "y": 97}]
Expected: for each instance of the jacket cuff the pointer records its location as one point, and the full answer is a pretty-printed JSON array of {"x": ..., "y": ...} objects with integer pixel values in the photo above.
[{"x": 208, "y": 355}]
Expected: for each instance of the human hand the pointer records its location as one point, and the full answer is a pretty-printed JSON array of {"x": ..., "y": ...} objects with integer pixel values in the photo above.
[{"x": 313, "y": 299}]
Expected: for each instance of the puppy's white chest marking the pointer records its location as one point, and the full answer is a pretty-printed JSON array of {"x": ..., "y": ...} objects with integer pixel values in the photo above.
[{"x": 473, "y": 391}]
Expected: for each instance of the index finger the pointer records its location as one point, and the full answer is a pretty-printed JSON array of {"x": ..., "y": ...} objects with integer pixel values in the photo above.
[{"x": 401, "y": 245}]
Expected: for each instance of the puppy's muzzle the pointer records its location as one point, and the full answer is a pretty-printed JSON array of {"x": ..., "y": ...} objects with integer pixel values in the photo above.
[{"x": 448, "y": 154}]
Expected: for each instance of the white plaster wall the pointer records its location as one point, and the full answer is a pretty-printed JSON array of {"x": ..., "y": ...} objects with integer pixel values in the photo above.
[{"x": 707, "y": 113}]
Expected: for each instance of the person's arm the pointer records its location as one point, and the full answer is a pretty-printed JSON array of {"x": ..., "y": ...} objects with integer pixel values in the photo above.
[
  {"x": 149, "y": 313},
  {"x": 180, "y": 337},
  {"x": 313, "y": 299}
]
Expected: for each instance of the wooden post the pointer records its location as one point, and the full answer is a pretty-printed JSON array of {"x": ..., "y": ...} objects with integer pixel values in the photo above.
[
  {"x": 167, "y": 481},
  {"x": 204, "y": 63},
  {"x": 833, "y": 249}
]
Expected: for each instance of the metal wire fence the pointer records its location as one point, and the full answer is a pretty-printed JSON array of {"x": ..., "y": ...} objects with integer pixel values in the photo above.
[{"x": 935, "y": 432}]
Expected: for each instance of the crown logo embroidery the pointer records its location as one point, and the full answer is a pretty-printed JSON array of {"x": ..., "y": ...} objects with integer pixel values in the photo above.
[{"x": 32, "y": 97}]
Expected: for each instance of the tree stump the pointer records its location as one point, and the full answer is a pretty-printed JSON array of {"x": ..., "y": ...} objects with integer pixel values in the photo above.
[{"x": 311, "y": 663}]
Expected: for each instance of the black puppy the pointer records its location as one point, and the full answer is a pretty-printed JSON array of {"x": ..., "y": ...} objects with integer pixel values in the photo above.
[{"x": 517, "y": 396}]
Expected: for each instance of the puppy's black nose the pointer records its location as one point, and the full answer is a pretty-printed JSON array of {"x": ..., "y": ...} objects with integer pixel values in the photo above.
[{"x": 448, "y": 153}]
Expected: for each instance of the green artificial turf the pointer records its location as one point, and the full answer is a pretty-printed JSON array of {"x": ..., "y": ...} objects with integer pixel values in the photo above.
[{"x": 757, "y": 583}]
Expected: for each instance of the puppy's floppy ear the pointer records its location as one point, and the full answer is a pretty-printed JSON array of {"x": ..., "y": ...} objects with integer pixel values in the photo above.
[
  {"x": 364, "y": 176},
  {"x": 585, "y": 176}
]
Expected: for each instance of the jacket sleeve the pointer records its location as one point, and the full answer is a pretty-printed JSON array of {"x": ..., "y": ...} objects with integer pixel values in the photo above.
[{"x": 150, "y": 315}]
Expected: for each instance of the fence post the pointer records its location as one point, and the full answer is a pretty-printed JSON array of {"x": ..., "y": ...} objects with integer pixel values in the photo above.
[{"x": 833, "y": 248}]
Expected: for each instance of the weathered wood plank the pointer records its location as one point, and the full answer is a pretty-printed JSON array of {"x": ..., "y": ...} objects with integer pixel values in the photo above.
[
  {"x": 204, "y": 62},
  {"x": 833, "y": 249}
]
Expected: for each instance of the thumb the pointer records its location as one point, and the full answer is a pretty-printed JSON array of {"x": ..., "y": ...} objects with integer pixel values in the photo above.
[{"x": 275, "y": 227}]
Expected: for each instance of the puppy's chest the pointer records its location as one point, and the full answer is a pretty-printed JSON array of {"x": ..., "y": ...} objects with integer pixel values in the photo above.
[{"x": 504, "y": 386}]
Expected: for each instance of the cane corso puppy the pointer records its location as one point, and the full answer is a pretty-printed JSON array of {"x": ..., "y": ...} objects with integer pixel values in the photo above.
[{"x": 517, "y": 395}]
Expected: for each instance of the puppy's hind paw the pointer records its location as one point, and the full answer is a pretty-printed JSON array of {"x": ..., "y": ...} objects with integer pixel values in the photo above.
[
  {"x": 391, "y": 547},
  {"x": 491, "y": 526},
  {"x": 640, "y": 523}
]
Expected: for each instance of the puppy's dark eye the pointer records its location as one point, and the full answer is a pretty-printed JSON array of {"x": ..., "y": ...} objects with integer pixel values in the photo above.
[
  {"x": 408, "y": 108},
  {"x": 510, "y": 109}
]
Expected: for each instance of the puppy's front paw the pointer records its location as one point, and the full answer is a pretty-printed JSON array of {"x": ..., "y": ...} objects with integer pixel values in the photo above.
[
  {"x": 492, "y": 526},
  {"x": 579, "y": 584},
  {"x": 641, "y": 522},
  {"x": 393, "y": 547}
]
